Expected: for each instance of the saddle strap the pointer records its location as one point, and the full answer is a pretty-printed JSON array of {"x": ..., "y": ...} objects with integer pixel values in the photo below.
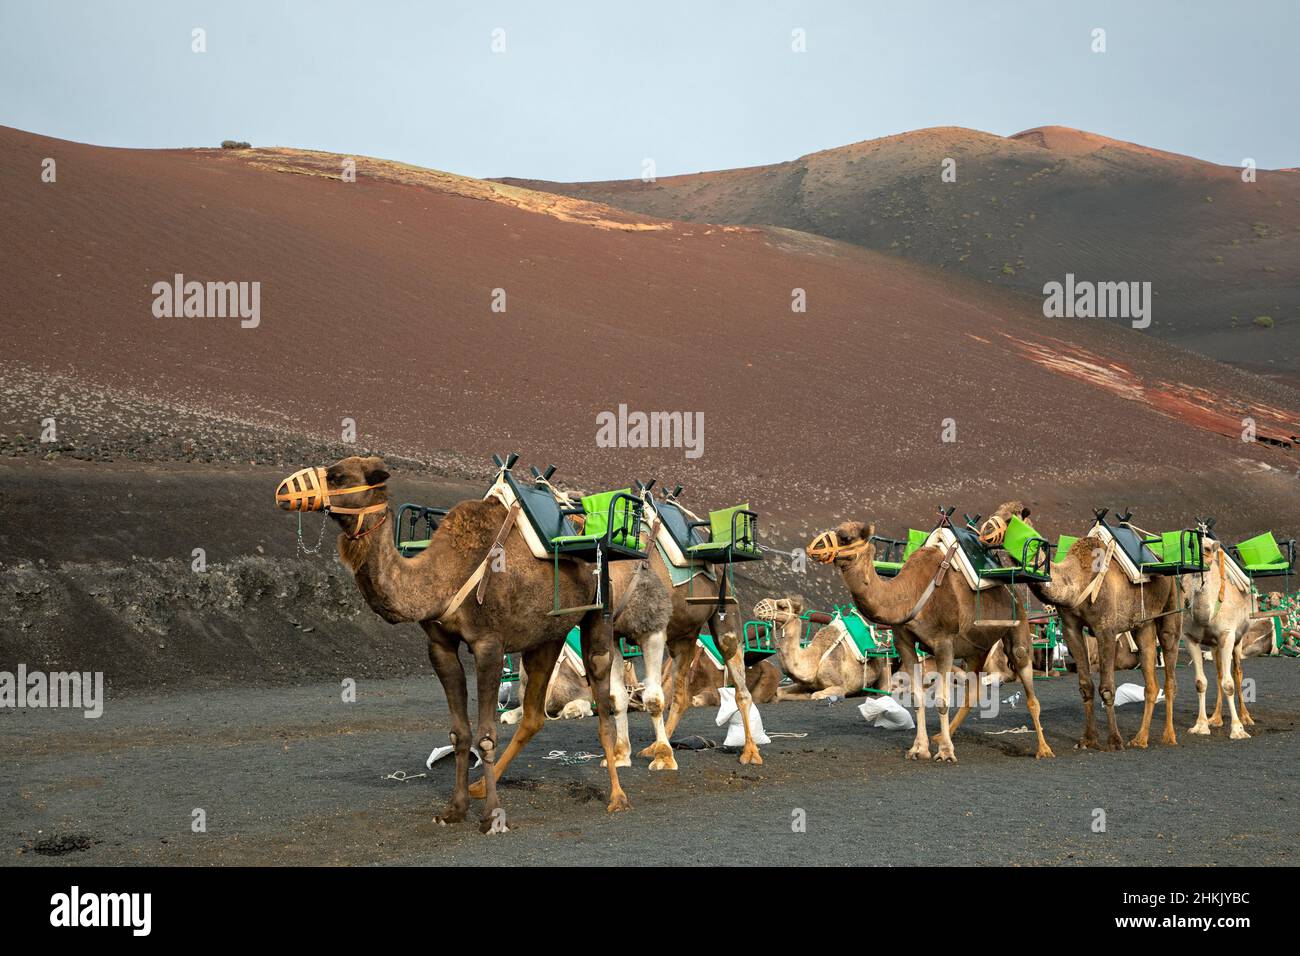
[
  {"x": 1094, "y": 586},
  {"x": 935, "y": 581},
  {"x": 497, "y": 544},
  {"x": 479, "y": 577}
]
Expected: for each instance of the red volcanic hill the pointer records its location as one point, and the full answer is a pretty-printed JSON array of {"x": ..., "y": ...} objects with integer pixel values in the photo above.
[
  {"x": 1028, "y": 209},
  {"x": 376, "y": 305}
]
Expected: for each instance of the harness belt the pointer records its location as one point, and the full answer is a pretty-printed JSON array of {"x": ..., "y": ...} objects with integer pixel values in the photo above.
[{"x": 479, "y": 578}]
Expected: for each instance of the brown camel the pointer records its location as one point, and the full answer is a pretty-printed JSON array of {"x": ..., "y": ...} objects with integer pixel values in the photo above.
[
  {"x": 927, "y": 606},
  {"x": 827, "y": 667},
  {"x": 1090, "y": 590},
  {"x": 512, "y": 618}
]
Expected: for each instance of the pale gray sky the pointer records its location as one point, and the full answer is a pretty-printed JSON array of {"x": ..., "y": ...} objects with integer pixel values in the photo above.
[{"x": 587, "y": 90}]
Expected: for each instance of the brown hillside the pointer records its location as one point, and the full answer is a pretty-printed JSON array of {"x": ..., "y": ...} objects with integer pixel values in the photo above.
[{"x": 1029, "y": 208}]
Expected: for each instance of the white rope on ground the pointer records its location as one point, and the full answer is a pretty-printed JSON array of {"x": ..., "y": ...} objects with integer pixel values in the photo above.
[
  {"x": 1022, "y": 729},
  {"x": 563, "y": 757},
  {"x": 401, "y": 776},
  {"x": 772, "y": 733}
]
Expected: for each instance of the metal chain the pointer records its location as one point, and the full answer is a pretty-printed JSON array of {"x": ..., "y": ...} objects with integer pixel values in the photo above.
[{"x": 302, "y": 548}]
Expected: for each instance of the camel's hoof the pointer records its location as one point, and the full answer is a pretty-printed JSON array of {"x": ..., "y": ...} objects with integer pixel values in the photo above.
[
  {"x": 1239, "y": 733},
  {"x": 1139, "y": 742},
  {"x": 478, "y": 789},
  {"x": 663, "y": 757},
  {"x": 648, "y": 752},
  {"x": 915, "y": 754},
  {"x": 618, "y": 762},
  {"x": 1115, "y": 742},
  {"x": 945, "y": 756},
  {"x": 1216, "y": 722},
  {"x": 1044, "y": 752},
  {"x": 750, "y": 755},
  {"x": 618, "y": 802},
  {"x": 1169, "y": 740},
  {"x": 1087, "y": 743},
  {"x": 450, "y": 815},
  {"x": 1202, "y": 729},
  {"x": 1248, "y": 720}
]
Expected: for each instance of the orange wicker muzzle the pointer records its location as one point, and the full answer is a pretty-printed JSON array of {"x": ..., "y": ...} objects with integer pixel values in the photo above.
[
  {"x": 826, "y": 548},
  {"x": 304, "y": 490},
  {"x": 308, "y": 490}
]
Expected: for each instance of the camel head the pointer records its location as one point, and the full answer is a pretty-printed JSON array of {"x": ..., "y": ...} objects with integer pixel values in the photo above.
[
  {"x": 844, "y": 544},
  {"x": 351, "y": 487},
  {"x": 779, "y": 610},
  {"x": 995, "y": 526}
]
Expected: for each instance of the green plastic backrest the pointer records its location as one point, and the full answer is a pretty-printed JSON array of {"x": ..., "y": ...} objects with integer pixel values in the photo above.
[
  {"x": 596, "y": 510},
  {"x": 1018, "y": 534},
  {"x": 915, "y": 541},
  {"x": 720, "y": 523},
  {"x": 1180, "y": 546},
  {"x": 1261, "y": 549},
  {"x": 1063, "y": 545}
]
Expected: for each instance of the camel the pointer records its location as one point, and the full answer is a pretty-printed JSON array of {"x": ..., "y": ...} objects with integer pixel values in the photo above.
[
  {"x": 1089, "y": 591},
  {"x": 567, "y": 695},
  {"x": 762, "y": 680},
  {"x": 679, "y": 639},
  {"x": 925, "y": 605},
  {"x": 431, "y": 589},
  {"x": 827, "y": 666},
  {"x": 1218, "y": 617}
]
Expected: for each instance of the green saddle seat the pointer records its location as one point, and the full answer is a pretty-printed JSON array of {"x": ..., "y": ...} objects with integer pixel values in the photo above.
[
  {"x": 1261, "y": 556},
  {"x": 610, "y": 518},
  {"x": 1027, "y": 550},
  {"x": 915, "y": 541},
  {"x": 732, "y": 537},
  {"x": 1176, "y": 552}
]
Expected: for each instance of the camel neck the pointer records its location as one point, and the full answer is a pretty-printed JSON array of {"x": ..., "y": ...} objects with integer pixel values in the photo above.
[
  {"x": 883, "y": 601},
  {"x": 398, "y": 589}
]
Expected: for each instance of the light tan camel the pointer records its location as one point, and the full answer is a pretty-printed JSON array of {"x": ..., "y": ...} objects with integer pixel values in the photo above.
[
  {"x": 1258, "y": 642},
  {"x": 1114, "y": 606},
  {"x": 762, "y": 679},
  {"x": 941, "y": 619},
  {"x": 825, "y": 668},
  {"x": 513, "y": 616},
  {"x": 567, "y": 695},
  {"x": 1218, "y": 618}
]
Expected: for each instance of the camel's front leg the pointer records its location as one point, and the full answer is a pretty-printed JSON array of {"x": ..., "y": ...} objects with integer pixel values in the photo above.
[
  {"x": 734, "y": 655},
  {"x": 1170, "y": 632},
  {"x": 487, "y": 670},
  {"x": 652, "y": 650},
  {"x": 619, "y": 696},
  {"x": 540, "y": 662},
  {"x": 683, "y": 656},
  {"x": 598, "y": 652},
  {"x": 1146, "y": 638},
  {"x": 943, "y": 665},
  {"x": 1024, "y": 665},
  {"x": 908, "y": 663},
  {"x": 1106, "y": 662},
  {"x": 446, "y": 664},
  {"x": 1202, "y": 725},
  {"x": 1224, "y": 658},
  {"x": 1241, "y": 697},
  {"x": 1077, "y": 644}
]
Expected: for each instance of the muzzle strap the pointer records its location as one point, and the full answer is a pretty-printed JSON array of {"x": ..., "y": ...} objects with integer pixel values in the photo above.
[{"x": 827, "y": 548}]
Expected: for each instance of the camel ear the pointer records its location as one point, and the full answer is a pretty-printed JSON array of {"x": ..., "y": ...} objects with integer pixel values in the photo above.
[
  {"x": 869, "y": 531},
  {"x": 375, "y": 470},
  {"x": 1024, "y": 512}
]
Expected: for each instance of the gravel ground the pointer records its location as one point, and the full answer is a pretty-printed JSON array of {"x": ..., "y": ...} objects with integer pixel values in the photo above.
[{"x": 293, "y": 775}]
